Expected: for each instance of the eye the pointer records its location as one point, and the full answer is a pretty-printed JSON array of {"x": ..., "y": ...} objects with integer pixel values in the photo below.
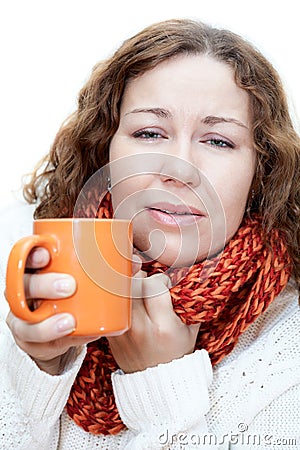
[
  {"x": 147, "y": 134},
  {"x": 220, "y": 143}
]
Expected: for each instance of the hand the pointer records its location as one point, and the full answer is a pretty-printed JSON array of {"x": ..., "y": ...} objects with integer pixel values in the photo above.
[
  {"x": 47, "y": 341},
  {"x": 157, "y": 335}
]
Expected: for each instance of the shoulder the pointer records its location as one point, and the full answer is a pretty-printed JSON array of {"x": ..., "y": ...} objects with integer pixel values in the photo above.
[
  {"x": 15, "y": 215},
  {"x": 273, "y": 337},
  {"x": 265, "y": 363},
  {"x": 277, "y": 327},
  {"x": 15, "y": 222}
]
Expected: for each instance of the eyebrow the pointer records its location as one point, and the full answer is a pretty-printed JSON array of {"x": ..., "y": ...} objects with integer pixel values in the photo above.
[
  {"x": 208, "y": 120},
  {"x": 158, "y": 112},
  {"x": 212, "y": 120}
]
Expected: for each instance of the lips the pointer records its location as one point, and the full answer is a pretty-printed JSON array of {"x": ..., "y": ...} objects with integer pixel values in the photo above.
[
  {"x": 174, "y": 215},
  {"x": 168, "y": 208}
]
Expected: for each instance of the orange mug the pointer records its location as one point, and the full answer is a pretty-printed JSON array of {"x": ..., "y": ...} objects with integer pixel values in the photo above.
[{"x": 98, "y": 254}]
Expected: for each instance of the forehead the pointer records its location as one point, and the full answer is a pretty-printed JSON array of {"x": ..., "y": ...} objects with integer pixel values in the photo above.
[{"x": 194, "y": 83}]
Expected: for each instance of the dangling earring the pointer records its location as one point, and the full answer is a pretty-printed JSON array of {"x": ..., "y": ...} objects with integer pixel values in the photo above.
[
  {"x": 108, "y": 180},
  {"x": 250, "y": 202}
]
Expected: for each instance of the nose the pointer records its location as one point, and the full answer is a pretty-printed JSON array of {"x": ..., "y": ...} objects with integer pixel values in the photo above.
[{"x": 179, "y": 171}]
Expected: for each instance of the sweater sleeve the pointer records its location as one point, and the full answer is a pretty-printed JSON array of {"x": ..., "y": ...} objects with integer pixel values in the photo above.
[
  {"x": 163, "y": 405},
  {"x": 32, "y": 401}
]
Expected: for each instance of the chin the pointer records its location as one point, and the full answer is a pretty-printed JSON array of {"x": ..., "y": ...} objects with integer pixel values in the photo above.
[
  {"x": 174, "y": 260},
  {"x": 172, "y": 250}
]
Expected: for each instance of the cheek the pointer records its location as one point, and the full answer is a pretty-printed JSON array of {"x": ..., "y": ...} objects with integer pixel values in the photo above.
[
  {"x": 231, "y": 180},
  {"x": 121, "y": 197},
  {"x": 234, "y": 196},
  {"x": 127, "y": 195}
]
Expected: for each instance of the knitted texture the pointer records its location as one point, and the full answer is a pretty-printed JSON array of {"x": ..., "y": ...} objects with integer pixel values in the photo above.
[{"x": 225, "y": 294}]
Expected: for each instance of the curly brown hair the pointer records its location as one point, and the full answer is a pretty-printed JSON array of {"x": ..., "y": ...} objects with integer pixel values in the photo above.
[{"x": 81, "y": 146}]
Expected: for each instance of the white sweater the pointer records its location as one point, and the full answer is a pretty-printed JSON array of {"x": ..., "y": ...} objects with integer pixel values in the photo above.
[{"x": 251, "y": 397}]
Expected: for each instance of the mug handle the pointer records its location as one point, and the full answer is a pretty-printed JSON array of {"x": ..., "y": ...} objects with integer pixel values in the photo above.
[{"x": 15, "y": 293}]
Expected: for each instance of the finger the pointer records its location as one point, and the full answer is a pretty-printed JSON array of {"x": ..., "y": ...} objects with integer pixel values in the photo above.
[
  {"x": 157, "y": 298},
  {"x": 136, "y": 264},
  {"x": 42, "y": 344},
  {"x": 49, "y": 285},
  {"x": 194, "y": 329},
  {"x": 156, "y": 285},
  {"x": 139, "y": 314},
  {"x": 137, "y": 285},
  {"x": 37, "y": 258},
  {"x": 46, "y": 331}
]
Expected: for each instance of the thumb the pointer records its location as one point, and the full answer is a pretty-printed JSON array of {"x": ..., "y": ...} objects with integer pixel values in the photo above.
[
  {"x": 136, "y": 264},
  {"x": 156, "y": 285}
]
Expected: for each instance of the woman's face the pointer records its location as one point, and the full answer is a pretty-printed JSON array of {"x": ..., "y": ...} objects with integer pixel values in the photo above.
[{"x": 187, "y": 159}]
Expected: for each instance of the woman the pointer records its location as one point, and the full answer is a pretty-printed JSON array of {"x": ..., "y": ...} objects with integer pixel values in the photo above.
[{"x": 213, "y": 359}]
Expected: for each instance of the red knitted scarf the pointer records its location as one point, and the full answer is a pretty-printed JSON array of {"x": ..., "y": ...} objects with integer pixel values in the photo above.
[{"x": 238, "y": 288}]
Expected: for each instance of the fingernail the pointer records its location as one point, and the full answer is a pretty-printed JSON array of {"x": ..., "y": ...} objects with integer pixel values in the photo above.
[
  {"x": 65, "y": 324},
  {"x": 64, "y": 285},
  {"x": 39, "y": 255},
  {"x": 137, "y": 259}
]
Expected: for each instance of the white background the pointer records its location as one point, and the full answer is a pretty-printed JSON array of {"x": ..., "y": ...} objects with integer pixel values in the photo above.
[{"x": 48, "y": 48}]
